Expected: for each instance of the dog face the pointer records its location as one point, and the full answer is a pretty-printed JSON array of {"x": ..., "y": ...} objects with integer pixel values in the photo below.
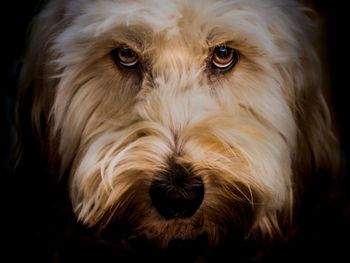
[{"x": 179, "y": 118}]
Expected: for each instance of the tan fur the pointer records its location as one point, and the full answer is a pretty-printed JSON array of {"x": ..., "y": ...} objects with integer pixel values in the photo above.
[{"x": 248, "y": 132}]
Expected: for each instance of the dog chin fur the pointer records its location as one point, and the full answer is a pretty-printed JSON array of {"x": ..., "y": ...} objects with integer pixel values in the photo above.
[{"x": 254, "y": 134}]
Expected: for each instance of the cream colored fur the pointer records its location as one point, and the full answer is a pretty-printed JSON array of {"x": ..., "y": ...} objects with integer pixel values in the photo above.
[{"x": 247, "y": 132}]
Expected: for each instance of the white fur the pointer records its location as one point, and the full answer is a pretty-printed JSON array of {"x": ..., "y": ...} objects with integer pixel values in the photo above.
[{"x": 116, "y": 131}]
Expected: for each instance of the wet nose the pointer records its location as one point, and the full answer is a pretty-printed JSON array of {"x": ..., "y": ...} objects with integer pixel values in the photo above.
[{"x": 177, "y": 193}]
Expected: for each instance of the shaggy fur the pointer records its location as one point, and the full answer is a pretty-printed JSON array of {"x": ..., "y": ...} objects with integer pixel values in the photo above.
[{"x": 254, "y": 135}]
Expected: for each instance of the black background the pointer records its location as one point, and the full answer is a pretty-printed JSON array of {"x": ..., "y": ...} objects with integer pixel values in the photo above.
[{"x": 16, "y": 16}]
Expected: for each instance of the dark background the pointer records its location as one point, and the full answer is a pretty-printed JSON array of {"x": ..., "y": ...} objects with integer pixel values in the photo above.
[{"x": 17, "y": 14}]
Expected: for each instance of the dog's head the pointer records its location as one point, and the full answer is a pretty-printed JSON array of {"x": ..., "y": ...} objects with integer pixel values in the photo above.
[{"x": 178, "y": 119}]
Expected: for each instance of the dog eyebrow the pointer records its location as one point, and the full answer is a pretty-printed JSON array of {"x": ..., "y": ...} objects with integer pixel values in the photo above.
[{"x": 136, "y": 37}]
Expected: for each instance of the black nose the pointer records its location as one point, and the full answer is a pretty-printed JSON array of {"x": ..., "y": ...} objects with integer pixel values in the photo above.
[{"x": 177, "y": 193}]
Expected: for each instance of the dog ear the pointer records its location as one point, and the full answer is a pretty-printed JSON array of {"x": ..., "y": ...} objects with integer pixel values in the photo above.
[
  {"x": 317, "y": 147},
  {"x": 316, "y": 163},
  {"x": 36, "y": 83},
  {"x": 316, "y": 159}
]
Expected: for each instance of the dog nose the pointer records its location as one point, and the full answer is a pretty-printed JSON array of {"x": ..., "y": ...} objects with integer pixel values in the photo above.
[
  {"x": 173, "y": 201},
  {"x": 177, "y": 195}
]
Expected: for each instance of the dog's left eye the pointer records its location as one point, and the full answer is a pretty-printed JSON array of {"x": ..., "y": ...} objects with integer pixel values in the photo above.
[
  {"x": 224, "y": 58},
  {"x": 126, "y": 57}
]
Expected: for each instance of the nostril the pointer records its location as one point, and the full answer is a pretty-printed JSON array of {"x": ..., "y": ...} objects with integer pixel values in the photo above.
[{"x": 177, "y": 201}]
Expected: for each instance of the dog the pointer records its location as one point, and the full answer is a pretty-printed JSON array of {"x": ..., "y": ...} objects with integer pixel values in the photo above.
[{"x": 178, "y": 125}]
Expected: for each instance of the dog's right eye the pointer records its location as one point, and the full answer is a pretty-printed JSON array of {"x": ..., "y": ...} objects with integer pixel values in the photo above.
[
  {"x": 224, "y": 58},
  {"x": 125, "y": 57}
]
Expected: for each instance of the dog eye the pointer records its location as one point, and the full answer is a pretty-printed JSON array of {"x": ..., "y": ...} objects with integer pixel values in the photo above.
[
  {"x": 224, "y": 58},
  {"x": 126, "y": 57}
]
